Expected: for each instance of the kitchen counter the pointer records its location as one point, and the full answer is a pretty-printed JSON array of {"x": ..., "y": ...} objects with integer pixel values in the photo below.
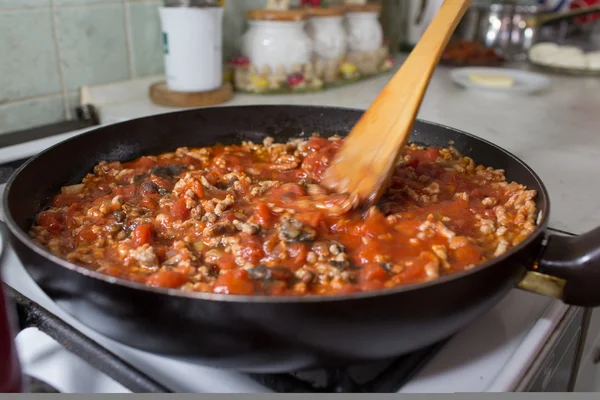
[{"x": 555, "y": 132}]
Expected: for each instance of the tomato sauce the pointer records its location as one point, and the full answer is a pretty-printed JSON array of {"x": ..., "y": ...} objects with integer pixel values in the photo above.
[{"x": 252, "y": 219}]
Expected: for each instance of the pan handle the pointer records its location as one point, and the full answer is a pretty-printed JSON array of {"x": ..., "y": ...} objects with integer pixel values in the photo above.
[{"x": 576, "y": 260}]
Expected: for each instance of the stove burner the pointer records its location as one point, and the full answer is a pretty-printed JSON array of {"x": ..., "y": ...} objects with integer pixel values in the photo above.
[{"x": 389, "y": 376}]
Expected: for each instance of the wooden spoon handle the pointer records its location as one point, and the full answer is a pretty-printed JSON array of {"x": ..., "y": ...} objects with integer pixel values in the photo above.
[{"x": 364, "y": 164}]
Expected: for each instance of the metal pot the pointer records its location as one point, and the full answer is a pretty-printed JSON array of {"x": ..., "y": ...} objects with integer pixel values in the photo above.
[{"x": 508, "y": 27}]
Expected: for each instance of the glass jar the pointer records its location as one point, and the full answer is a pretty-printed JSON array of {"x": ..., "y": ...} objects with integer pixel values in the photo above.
[
  {"x": 325, "y": 27},
  {"x": 363, "y": 28},
  {"x": 277, "y": 39}
]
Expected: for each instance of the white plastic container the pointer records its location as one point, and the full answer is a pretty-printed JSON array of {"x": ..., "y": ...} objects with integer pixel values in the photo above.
[
  {"x": 326, "y": 29},
  {"x": 192, "y": 40},
  {"x": 364, "y": 30},
  {"x": 276, "y": 38}
]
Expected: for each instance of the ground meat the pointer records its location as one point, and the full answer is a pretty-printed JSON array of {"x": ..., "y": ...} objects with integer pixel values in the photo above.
[{"x": 253, "y": 219}]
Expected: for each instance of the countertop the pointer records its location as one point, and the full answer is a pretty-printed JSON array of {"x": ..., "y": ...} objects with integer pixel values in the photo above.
[{"x": 555, "y": 132}]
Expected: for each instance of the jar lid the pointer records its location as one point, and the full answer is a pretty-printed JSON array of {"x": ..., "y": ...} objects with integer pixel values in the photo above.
[
  {"x": 193, "y": 3},
  {"x": 371, "y": 7},
  {"x": 324, "y": 12},
  {"x": 276, "y": 15}
]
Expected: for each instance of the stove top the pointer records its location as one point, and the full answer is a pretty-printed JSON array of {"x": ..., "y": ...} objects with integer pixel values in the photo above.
[
  {"x": 382, "y": 377},
  {"x": 492, "y": 354}
]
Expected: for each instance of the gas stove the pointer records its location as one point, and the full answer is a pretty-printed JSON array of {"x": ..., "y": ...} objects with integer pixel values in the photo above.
[{"x": 526, "y": 343}]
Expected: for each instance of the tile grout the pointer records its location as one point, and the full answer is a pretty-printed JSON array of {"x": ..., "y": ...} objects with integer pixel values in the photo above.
[
  {"x": 129, "y": 39},
  {"x": 61, "y": 71},
  {"x": 32, "y": 98}
]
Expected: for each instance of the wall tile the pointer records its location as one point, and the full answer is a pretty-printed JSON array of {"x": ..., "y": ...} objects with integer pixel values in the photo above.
[
  {"x": 73, "y": 101},
  {"x": 28, "y": 63},
  {"x": 92, "y": 44},
  {"x": 146, "y": 38},
  {"x": 23, "y": 3},
  {"x": 28, "y": 114},
  {"x": 82, "y": 2}
]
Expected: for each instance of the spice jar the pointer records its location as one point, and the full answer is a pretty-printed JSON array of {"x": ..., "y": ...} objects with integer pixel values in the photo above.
[
  {"x": 326, "y": 29},
  {"x": 276, "y": 40},
  {"x": 192, "y": 44},
  {"x": 364, "y": 30}
]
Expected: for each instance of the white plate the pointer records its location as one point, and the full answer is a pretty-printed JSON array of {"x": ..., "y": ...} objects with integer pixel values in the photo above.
[{"x": 525, "y": 82}]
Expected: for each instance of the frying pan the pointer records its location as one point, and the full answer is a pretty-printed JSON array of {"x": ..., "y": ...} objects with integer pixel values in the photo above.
[{"x": 282, "y": 334}]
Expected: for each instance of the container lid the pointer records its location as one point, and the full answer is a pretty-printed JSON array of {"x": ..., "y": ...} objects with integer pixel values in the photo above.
[
  {"x": 276, "y": 15},
  {"x": 371, "y": 7},
  {"x": 324, "y": 12},
  {"x": 193, "y": 3}
]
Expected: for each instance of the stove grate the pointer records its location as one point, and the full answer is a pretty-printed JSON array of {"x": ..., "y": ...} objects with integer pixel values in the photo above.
[{"x": 339, "y": 380}]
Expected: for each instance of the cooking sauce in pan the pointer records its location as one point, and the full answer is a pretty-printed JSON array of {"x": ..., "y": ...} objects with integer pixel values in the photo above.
[{"x": 252, "y": 219}]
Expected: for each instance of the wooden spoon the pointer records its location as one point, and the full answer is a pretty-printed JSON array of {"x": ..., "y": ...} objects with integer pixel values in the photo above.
[{"x": 363, "y": 165}]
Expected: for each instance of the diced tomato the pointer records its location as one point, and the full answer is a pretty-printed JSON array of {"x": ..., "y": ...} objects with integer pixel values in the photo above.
[
  {"x": 167, "y": 279},
  {"x": 251, "y": 248},
  {"x": 312, "y": 219},
  {"x": 372, "y": 272},
  {"x": 144, "y": 162},
  {"x": 226, "y": 261},
  {"x": 228, "y": 215},
  {"x": 69, "y": 221},
  {"x": 63, "y": 200},
  {"x": 269, "y": 244},
  {"x": 431, "y": 155},
  {"x": 197, "y": 188},
  {"x": 127, "y": 191},
  {"x": 316, "y": 163},
  {"x": 87, "y": 235},
  {"x": 215, "y": 175},
  {"x": 375, "y": 224},
  {"x": 50, "y": 221},
  {"x": 297, "y": 253},
  {"x": 150, "y": 202},
  {"x": 412, "y": 274},
  {"x": 316, "y": 143},
  {"x": 142, "y": 234},
  {"x": 162, "y": 182},
  {"x": 407, "y": 227},
  {"x": 287, "y": 191},
  {"x": 413, "y": 162},
  {"x": 347, "y": 290},
  {"x": 264, "y": 216},
  {"x": 179, "y": 210},
  {"x": 234, "y": 282},
  {"x": 448, "y": 177},
  {"x": 467, "y": 255},
  {"x": 371, "y": 285}
]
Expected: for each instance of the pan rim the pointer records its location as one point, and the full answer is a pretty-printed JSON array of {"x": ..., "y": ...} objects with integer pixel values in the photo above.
[{"x": 24, "y": 238}]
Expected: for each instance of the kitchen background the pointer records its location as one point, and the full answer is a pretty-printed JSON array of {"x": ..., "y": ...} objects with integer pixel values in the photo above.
[{"x": 50, "y": 48}]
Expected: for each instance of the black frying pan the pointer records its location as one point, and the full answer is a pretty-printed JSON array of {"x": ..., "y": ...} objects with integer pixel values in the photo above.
[{"x": 274, "y": 334}]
